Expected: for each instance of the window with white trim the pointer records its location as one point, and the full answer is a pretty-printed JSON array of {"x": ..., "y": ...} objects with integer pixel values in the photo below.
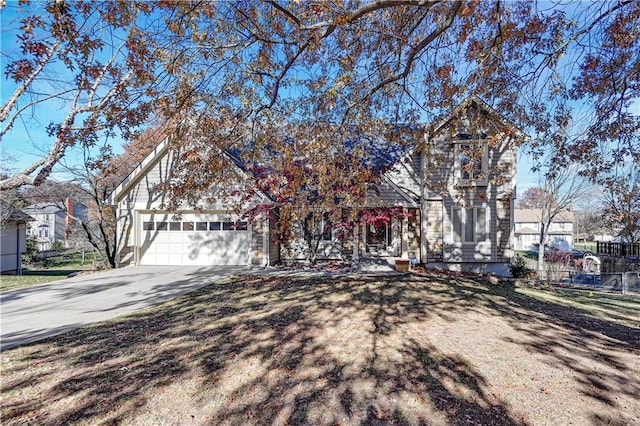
[
  {"x": 469, "y": 224},
  {"x": 471, "y": 160}
]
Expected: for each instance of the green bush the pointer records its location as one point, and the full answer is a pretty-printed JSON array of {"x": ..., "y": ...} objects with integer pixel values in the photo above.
[
  {"x": 519, "y": 268},
  {"x": 32, "y": 250}
]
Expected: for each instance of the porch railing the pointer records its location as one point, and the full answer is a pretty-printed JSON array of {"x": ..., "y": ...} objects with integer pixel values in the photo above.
[{"x": 628, "y": 250}]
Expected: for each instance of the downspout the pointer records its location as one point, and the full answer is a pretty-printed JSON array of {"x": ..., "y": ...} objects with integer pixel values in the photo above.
[{"x": 18, "y": 253}]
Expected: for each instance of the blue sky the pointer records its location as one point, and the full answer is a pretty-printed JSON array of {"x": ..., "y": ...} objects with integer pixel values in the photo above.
[{"x": 28, "y": 141}]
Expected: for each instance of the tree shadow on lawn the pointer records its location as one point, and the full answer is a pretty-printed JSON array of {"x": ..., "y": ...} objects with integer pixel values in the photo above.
[
  {"x": 592, "y": 348},
  {"x": 601, "y": 354},
  {"x": 286, "y": 350}
]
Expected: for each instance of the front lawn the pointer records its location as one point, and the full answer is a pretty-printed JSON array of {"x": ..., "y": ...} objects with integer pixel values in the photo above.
[
  {"x": 53, "y": 268},
  {"x": 30, "y": 277},
  {"x": 399, "y": 349}
]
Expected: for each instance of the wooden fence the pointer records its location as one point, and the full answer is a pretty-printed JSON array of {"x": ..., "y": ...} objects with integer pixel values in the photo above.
[{"x": 627, "y": 250}]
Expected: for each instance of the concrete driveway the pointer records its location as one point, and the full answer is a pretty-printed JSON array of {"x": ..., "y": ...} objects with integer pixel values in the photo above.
[{"x": 33, "y": 313}]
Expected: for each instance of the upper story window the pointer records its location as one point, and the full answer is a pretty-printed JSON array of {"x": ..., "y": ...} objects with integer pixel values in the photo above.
[{"x": 471, "y": 160}]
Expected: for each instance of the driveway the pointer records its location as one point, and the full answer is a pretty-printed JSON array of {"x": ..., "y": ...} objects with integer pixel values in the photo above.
[{"x": 33, "y": 313}]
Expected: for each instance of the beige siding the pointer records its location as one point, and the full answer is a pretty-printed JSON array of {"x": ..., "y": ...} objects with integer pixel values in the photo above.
[
  {"x": 386, "y": 195},
  {"x": 413, "y": 233},
  {"x": 273, "y": 242},
  {"x": 441, "y": 169},
  {"x": 125, "y": 237},
  {"x": 146, "y": 195},
  {"x": 457, "y": 251},
  {"x": 257, "y": 241},
  {"x": 406, "y": 175},
  {"x": 434, "y": 228},
  {"x": 504, "y": 230},
  {"x": 13, "y": 243},
  {"x": 438, "y": 163},
  {"x": 442, "y": 181}
]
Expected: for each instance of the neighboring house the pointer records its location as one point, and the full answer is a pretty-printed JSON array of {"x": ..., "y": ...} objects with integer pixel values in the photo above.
[
  {"x": 528, "y": 224},
  {"x": 52, "y": 224},
  {"x": 13, "y": 238},
  {"x": 607, "y": 238},
  {"x": 458, "y": 209},
  {"x": 633, "y": 237}
]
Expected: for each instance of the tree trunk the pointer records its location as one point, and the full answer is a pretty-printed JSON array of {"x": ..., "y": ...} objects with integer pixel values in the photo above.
[
  {"x": 543, "y": 229},
  {"x": 541, "y": 262}
]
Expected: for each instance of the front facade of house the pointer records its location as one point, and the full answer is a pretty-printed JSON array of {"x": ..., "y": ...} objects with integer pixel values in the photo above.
[
  {"x": 455, "y": 189},
  {"x": 528, "y": 224}
]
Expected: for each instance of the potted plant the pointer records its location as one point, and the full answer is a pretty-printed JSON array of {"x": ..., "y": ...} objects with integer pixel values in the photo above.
[{"x": 402, "y": 265}]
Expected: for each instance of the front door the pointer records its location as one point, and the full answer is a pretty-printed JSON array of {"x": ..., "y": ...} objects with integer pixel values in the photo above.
[{"x": 382, "y": 239}]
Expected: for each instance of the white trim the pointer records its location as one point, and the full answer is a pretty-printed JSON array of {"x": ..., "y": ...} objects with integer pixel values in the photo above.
[
  {"x": 482, "y": 105},
  {"x": 400, "y": 191},
  {"x": 463, "y": 222},
  {"x": 483, "y": 180},
  {"x": 266, "y": 254},
  {"x": 142, "y": 168},
  {"x": 150, "y": 161}
]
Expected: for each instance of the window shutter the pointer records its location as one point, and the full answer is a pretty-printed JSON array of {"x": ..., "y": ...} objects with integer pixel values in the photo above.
[
  {"x": 469, "y": 230},
  {"x": 481, "y": 224},
  {"x": 456, "y": 224}
]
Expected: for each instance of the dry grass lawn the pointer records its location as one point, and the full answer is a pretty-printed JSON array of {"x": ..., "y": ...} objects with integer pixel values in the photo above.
[{"x": 351, "y": 350}]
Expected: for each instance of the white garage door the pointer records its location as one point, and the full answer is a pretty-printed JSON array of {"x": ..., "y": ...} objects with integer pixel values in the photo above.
[{"x": 193, "y": 239}]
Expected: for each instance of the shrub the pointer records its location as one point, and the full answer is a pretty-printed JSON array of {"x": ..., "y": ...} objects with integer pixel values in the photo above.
[
  {"x": 561, "y": 257},
  {"x": 31, "y": 250},
  {"x": 557, "y": 265},
  {"x": 519, "y": 268}
]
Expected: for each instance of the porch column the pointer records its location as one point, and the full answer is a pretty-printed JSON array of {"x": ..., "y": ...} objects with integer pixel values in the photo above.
[
  {"x": 266, "y": 249},
  {"x": 423, "y": 232},
  {"x": 404, "y": 240},
  {"x": 356, "y": 243}
]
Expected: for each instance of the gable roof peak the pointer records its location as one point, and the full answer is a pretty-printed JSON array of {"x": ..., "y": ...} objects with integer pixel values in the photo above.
[{"x": 481, "y": 104}]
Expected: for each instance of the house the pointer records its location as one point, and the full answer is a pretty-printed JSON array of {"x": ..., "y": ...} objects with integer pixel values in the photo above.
[
  {"x": 455, "y": 186},
  {"x": 528, "y": 224},
  {"x": 13, "y": 238},
  {"x": 53, "y": 224}
]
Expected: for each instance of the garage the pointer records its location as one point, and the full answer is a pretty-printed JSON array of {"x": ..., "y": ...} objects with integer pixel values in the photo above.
[{"x": 193, "y": 239}]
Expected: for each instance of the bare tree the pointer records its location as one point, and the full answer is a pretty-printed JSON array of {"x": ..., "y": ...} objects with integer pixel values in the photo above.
[
  {"x": 622, "y": 204},
  {"x": 84, "y": 68},
  {"x": 561, "y": 187},
  {"x": 589, "y": 216},
  {"x": 246, "y": 71}
]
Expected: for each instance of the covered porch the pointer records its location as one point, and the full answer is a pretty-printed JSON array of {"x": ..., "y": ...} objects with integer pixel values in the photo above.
[{"x": 388, "y": 232}]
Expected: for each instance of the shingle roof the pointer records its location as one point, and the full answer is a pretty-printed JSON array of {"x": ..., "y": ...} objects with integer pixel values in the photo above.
[
  {"x": 534, "y": 216},
  {"x": 527, "y": 230},
  {"x": 8, "y": 213},
  {"x": 42, "y": 208}
]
